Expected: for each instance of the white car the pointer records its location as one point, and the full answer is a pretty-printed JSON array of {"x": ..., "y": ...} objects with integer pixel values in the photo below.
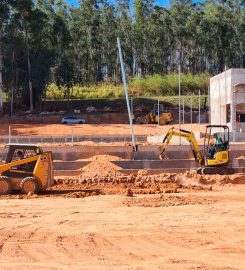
[{"x": 72, "y": 120}]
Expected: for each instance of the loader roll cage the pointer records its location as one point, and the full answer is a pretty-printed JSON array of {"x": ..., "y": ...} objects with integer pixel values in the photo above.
[{"x": 27, "y": 151}]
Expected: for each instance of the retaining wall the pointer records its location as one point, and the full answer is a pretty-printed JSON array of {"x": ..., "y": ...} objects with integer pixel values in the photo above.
[{"x": 145, "y": 152}]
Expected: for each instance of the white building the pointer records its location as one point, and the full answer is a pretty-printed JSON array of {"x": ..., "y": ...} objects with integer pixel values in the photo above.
[{"x": 227, "y": 99}]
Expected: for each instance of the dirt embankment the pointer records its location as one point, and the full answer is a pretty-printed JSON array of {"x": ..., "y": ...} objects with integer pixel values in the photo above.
[
  {"x": 101, "y": 174},
  {"x": 88, "y": 129}
]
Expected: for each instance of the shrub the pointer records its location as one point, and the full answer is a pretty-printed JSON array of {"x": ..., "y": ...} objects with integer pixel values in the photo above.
[
  {"x": 55, "y": 92},
  {"x": 149, "y": 86}
]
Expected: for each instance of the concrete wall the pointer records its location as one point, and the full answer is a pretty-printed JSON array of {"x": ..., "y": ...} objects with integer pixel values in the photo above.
[
  {"x": 145, "y": 152},
  {"x": 221, "y": 94},
  {"x": 220, "y": 90}
]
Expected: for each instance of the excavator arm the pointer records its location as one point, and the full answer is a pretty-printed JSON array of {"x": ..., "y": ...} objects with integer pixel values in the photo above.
[{"x": 189, "y": 136}]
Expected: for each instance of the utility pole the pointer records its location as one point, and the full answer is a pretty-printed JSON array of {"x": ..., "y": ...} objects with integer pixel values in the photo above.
[
  {"x": 179, "y": 104},
  {"x": 126, "y": 93}
]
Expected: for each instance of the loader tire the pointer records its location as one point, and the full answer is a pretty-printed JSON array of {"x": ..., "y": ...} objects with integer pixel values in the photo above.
[
  {"x": 29, "y": 184},
  {"x": 5, "y": 185}
]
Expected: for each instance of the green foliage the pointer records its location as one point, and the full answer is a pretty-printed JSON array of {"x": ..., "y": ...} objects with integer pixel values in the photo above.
[
  {"x": 55, "y": 92},
  {"x": 74, "y": 47},
  {"x": 150, "y": 86},
  {"x": 168, "y": 85},
  {"x": 93, "y": 91},
  {"x": 97, "y": 91}
]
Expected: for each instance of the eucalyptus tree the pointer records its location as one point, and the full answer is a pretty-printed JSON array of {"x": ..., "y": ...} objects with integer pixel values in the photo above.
[
  {"x": 108, "y": 35},
  {"x": 181, "y": 12},
  {"x": 4, "y": 14},
  {"x": 143, "y": 39},
  {"x": 23, "y": 13},
  {"x": 125, "y": 31},
  {"x": 218, "y": 34}
]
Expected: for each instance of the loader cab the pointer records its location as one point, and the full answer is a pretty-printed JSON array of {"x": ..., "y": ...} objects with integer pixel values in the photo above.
[
  {"x": 216, "y": 145},
  {"x": 21, "y": 151},
  {"x": 155, "y": 109}
]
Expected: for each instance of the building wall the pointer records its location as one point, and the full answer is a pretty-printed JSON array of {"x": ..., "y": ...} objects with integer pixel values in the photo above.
[{"x": 221, "y": 93}]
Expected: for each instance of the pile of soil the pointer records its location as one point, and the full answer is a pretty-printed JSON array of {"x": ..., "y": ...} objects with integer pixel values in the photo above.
[
  {"x": 113, "y": 181},
  {"x": 105, "y": 158},
  {"x": 100, "y": 170},
  {"x": 192, "y": 178},
  {"x": 101, "y": 166}
]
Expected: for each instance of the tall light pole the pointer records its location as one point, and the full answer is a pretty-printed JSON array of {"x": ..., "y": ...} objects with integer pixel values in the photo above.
[
  {"x": 179, "y": 104},
  {"x": 126, "y": 93}
]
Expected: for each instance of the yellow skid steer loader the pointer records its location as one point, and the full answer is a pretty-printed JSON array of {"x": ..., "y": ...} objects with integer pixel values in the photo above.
[{"x": 27, "y": 168}]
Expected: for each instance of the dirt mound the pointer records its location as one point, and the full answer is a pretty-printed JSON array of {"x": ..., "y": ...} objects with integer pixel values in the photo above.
[
  {"x": 101, "y": 167},
  {"x": 141, "y": 180},
  {"x": 233, "y": 179},
  {"x": 141, "y": 173},
  {"x": 101, "y": 171},
  {"x": 194, "y": 179},
  {"x": 105, "y": 158},
  {"x": 115, "y": 182},
  {"x": 112, "y": 181}
]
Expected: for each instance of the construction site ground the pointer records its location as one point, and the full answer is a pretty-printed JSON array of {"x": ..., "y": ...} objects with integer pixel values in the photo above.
[
  {"x": 103, "y": 218},
  {"x": 89, "y": 129},
  {"x": 192, "y": 229}
]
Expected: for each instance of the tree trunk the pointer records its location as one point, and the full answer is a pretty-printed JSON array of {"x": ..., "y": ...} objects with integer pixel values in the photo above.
[
  {"x": 68, "y": 98},
  {"x": 1, "y": 78},
  {"x": 29, "y": 66},
  {"x": 12, "y": 84},
  {"x": 29, "y": 78}
]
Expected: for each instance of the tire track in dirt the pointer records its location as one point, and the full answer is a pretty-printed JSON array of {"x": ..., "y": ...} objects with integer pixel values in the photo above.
[{"x": 101, "y": 232}]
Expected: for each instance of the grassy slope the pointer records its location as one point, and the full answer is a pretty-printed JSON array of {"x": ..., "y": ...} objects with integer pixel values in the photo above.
[{"x": 119, "y": 104}]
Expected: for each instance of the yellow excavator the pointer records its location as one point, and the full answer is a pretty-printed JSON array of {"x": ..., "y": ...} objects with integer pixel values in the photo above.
[
  {"x": 27, "y": 168},
  {"x": 165, "y": 117},
  {"x": 215, "y": 156}
]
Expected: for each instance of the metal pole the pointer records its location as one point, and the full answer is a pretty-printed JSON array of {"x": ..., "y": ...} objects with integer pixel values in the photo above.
[
  {"x": 225, "y": 99},
  {"x": 72, "y": 136},
  {"x": 219, "y": 105},
  {"x": 191, "y": 111},
  {"x": 126, "y": 93},
  {"x": 183, "y": 110},
  {"x": 158, "y": 111},
  {"x": 132, "y": 110},
  {"x": 199, "y": 107},
  {"x": 158, "y": 121},
  {"x": 179, "y": 105},
  {"x": 209, "y": 106},
  {"x": 9, "y": 134}
]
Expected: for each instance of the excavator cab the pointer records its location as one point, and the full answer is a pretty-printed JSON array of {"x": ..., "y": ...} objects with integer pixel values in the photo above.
[{"x": 216, "y": 145}]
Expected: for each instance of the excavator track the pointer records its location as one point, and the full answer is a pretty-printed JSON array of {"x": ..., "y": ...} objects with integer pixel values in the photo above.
[{"x": 216, "y": 170}]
